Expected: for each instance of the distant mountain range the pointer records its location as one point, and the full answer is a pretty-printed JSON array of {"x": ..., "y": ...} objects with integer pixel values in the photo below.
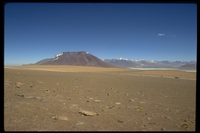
[
  {"x": 80, "y": 58},
  {"x": 123, "y": 62}
]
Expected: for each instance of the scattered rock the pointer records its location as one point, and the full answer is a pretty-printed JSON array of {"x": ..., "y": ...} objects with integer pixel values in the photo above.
[
  {"x": 120, "y": 121},
  {"x": 55, "y": 117},
  {"x": 185, "y": 125},
  {"x": 144, "y": 126},
  {"x": 18, "y": 84},
  {"x": 79, "y": 123},
  {"x": 167, "y": 110},
  {"x": 19, "y": 95},
  {"x": 167, "y": 117},
  {"x": 110, "y": 107},
  {"x": 39, "y": 98},
  {"x": 30, "y": 97},
  {"x": 117, "y": 103},
  {"x": 131, "y": 100},
  {"x": 138, "y": 109},
  {"x": 31, "y": 86},
  {"x": 69, "y": 98},
  {"x": 97, "y": 100},
  {"x": 141, "y": 102},
  {"x": 163, "y": 129},
  {"x": 192, "y": 121},
  {"x": 60, "y": 118},
  {"x": 87, "y": 113},
  {"x": 176, "y": 77},
  {"x": 73, "y": 106}
]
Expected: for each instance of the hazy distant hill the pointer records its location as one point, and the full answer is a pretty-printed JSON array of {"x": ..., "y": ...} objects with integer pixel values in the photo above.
[
  {"x": 80, "y": 58},
  {"x": 188, "y": 67},
  {"x": 123, "y": 62}
]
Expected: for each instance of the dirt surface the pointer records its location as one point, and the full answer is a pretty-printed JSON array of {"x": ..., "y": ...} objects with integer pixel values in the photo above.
[{"x": 67, "y": 98}]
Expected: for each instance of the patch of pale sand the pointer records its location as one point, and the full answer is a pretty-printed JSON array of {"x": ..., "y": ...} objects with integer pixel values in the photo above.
[{"x": 69, "y": 68}]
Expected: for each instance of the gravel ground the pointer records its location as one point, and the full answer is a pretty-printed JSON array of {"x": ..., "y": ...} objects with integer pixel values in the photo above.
[{"x": 36, "y": 100}]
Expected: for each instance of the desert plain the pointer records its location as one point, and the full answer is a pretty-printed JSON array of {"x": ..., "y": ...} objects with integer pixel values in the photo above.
[{"x": 78, "y": 98}]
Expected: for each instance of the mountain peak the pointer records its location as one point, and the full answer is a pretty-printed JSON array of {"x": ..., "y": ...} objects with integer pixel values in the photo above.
[{"x": 77, "y": 58}]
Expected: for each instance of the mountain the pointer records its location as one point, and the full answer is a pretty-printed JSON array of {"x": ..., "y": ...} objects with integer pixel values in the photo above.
[
  {"x": 43, "y": 61},
  {"x": 80, "y": 58},
  {"x": 188, "y": 67},
  {"x": 123, "y": 62}
]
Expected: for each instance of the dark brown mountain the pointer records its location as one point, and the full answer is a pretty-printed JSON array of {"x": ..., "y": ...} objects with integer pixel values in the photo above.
[{"x": 80, "y": 58}]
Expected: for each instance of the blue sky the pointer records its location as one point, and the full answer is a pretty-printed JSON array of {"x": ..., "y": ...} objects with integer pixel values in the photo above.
[{"x": 34, "y": 31}]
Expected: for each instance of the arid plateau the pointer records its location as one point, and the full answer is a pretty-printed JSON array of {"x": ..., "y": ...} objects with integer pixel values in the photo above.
[{"x": 83, "y": 98}]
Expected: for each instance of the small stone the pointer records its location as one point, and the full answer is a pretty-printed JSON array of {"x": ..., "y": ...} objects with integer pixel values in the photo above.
[
  {"x": 185, "y": 125},
  {"x": 31, "y": 97},
  {"x": 144, "y": 126},
  {"x": 120, "y": 121},
  {"x": 192, "y": 121},
  {"x": 56, "y": 117},
  {"x": 167, "y": 117},
  {"x": 31, "y": 86},
  {"x": 110, "y": 107},
  {"x": 117, "y": 103},
  {"x": 131, "y": 100},
  {"x": 167, "y": 110},
  {"x": 20, "y": 95},
  {"x": 39, "y": 98},
  {"x": 18, "y": 84},
  {"x": 87, "y": 113},
  {"x": 79, "y": 123},
  {"x": 97, "y": 100}
]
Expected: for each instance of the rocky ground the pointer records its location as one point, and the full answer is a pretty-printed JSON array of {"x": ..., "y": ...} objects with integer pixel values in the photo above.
[{"x": 36, "y": 100}]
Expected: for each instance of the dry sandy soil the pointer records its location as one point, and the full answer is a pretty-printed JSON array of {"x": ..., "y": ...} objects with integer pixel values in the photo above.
[{"x": 74, "y": 98}]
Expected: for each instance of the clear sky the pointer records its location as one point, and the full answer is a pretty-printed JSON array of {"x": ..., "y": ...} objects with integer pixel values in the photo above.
[{"x": 35, "y": 31}]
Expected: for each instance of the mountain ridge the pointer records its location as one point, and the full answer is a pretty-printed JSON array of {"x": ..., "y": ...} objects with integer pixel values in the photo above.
[{"x": 123, "y": 62}]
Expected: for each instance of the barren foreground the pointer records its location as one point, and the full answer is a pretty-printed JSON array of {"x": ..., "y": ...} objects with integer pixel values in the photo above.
[{"x": 68, "y": 98}]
